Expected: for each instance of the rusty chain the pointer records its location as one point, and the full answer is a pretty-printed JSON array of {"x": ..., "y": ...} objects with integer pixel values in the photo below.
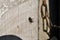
[{"x": 45, "y": 17}]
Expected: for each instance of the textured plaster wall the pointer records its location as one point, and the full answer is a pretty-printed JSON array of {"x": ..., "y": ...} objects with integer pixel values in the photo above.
[{"x": 15, "y": 21}]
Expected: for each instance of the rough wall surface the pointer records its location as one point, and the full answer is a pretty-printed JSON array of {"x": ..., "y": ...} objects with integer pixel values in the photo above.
[{"x": 16, "y": 21}]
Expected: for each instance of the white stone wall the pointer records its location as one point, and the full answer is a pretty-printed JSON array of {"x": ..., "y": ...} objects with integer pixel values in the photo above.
[{"x": 15, "y": 21}]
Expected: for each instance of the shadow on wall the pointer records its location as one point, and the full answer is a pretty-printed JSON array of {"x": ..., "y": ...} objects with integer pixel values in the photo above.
[{"x": 9, "y": 37}]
